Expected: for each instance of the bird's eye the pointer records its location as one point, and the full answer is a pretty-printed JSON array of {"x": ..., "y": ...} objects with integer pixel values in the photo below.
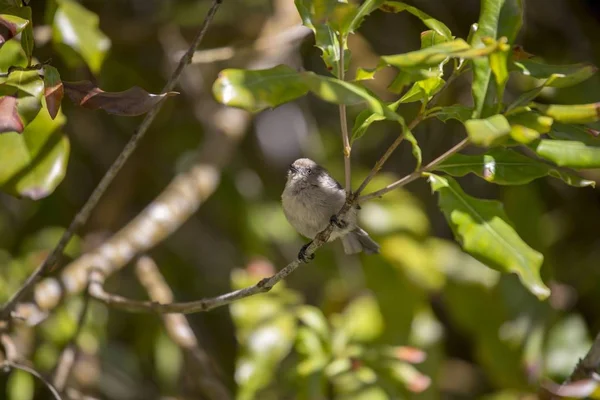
[{"x": 308, "y": 170}]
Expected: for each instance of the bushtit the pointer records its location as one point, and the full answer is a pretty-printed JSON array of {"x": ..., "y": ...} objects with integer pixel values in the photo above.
[{"x": 312, "y": 198}]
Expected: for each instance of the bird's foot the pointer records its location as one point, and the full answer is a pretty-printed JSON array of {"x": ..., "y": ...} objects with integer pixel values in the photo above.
[
  {"x": 340, "y": 223},
  {"x": 302, "y": 256}
]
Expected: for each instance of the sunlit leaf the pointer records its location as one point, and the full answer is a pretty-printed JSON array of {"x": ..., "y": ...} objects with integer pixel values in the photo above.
[
  {"x": 563, "y": 75},
  {"x": 571, "y": 114},
  {"x": 407, "y": 75},
  {"x": 35, "y": 161},
  {"x": 53, "y": 90},
  {"x": 27, "y": 87},
  {"x": 18, "y": 20},
  {"x": 365, "y": 9},
  {"x": 568, "y": 341},
  {"x": 257, "y": 90},
  {"x": 365, "y": 118},
  {"x": 423, "y": 90},
  {"x": 498, "y": 18},
  {"x": 507, "y": 167},
  {"x": 76, "y": 27},
  {"x": 527, "y": 125},
  {"x": 432, "y": 23},
  {"x": 13, "y": 25},
  {"x": 488, "y": 132},
  {"x": 568, "y": 153},
  {"x": 133, "y": 101},
  {"x": 314, "y": 319},
  {"x": 483, "y": 229},
  {"x": 526, "y": 98},
  {"x": 433, "y": 55},
  {"x": 362, "y": 319}
]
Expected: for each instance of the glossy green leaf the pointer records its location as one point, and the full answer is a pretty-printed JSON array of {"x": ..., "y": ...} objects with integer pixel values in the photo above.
[
  {"x": 12, "y": 54},
  {"x": 484, "y": 231},
  {"x": 15, "y": 16},
  {"x": 314, "y": 14},
  {"x": 457, "y": 112},
  {"x": 365, "y": 9},
  {"x": 432, "y": 23},
  {"x": 28, "y": 88},
  {"x": 364, "y": 120},
  {"x": 498, "y": 18},
  {"x": 564, "y": 75},
  {"x": 507, "y": 167},
  {"x": 488, "y": 132},
  {"x": 76, "y": 27},
  {"x": 260, "y": 89},
  {"x": 526, "y": 98},
  {"x": 526, "y": 126},
  {"x": 35, "y": 161},
  {"x": 567, "y": 153},
  {"x": 407, "y": 75},
  {"x": 13, "y": 24},
  {"x": 434, "y": 55},
  {"x": 432, "y": 38},
  {"x": 571, "y": 114},
  {"x": 423, "y": 90}
]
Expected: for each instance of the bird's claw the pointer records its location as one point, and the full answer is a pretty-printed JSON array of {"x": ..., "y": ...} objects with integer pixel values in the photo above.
[
  {"x": 340, "y": 223},
  {"x": 302, "y": 256}
]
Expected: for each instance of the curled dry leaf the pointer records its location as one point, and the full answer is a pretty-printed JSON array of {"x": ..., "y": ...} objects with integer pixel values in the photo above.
[
  {"x": 9, "y": 117},
  {"x": 53, "y": 90},
  {"x": 131, "y": 102}
]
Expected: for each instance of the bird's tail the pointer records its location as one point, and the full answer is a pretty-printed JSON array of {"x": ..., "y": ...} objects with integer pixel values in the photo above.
[{"x": 358, "y": 240}]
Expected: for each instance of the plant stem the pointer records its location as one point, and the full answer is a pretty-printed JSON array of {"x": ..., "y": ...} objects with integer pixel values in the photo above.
[
  {"x": 416, "y": 174},
  {"x": 344, "y": 122},
  {"x": 83, "y": 214}
]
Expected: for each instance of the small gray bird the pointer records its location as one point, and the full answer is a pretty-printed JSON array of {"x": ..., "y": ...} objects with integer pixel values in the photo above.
[{"x": 312, "y": 198}]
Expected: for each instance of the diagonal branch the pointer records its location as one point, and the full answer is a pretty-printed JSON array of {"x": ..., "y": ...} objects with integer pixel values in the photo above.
[{"x": 83, "y": 214}]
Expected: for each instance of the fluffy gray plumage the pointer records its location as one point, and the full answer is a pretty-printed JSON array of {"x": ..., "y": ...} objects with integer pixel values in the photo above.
[{"x": 311, "y": 197}]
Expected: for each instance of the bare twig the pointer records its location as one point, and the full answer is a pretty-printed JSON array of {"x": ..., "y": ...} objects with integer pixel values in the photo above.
[
  {"x": 588, "y": 364},
  {"x": 417, "y": 174},
  {"x": 179, "y": 329},
  {"x": 69, "y": 354},
  {"x": 344, "y": 123},
  {"x": 7, "y": 364},
  {"x": 83, "y": 215},
  {"x": 97, "y": 291}
]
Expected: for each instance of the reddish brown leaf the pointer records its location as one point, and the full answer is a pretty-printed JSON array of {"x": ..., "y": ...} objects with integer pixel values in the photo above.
[
  {"x": 131, "y": 102},
  {"x": 9, "y": 117},
  {"x": 10, "y": 26},
  {"x": 53, "y": 90},
  {"x": 593, "y": 132},
  {"x": 519, "y": 53}
]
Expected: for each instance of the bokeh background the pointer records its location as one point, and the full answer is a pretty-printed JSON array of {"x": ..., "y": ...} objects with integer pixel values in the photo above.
[{"x": 484, "y": 335}]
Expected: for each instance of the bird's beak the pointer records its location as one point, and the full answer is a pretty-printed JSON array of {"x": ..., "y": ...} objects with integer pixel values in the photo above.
[{"x": 292, "y": 169}]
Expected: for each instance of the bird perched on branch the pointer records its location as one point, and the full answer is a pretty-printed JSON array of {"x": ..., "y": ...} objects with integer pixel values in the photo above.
[{"x": 312, "y": 198}]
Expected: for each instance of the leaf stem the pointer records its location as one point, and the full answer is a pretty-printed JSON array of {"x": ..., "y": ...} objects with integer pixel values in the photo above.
[
  {"x": 416, "y": 174},
  {"x": 344, "y": 121},
  {"x": 83, "y": 214}
]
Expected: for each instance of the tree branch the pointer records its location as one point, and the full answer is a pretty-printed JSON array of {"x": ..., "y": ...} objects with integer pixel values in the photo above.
[
  {"x": 344, "y": 123},
  {"x": 589, "y": 364},
  {"x": 180, "y": 331},
  {"x": 416, "y": 174},
  {"x": 83, "y": 215}
]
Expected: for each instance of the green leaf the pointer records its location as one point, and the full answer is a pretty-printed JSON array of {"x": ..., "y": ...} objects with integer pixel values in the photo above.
[
  {"x": 408, "y": 75},
  {"x": 568, "y": 153},
  {"x": 578, "y": 133},
  {"x": 260, "y": 89},
  {"x": 488, "y": 132},
  {"x": 364, "y": 120},
  {"x": 432, "y": 38},
  {"x": 423, "y": 90},
  {"x": 526, "y": 98},
  {"x": 568, "y": 342},
  {"x": 35, "y": 161},
  {"x": 484, "y": 231},
  {"x": 507, "y": 167},
  {"x": 14, "y": 17},
  {"x": 365, "y": 9},
  {"x": 498, "y": 18},
  {"x": 527, "y": 125},
  {"x": 53, "y": 90},
  {"x": 314, "y": 14},
  {"x": 571, "y": 114},
  {"x": 313, "y": 318},
  {"x": 564, "y": 75},
  {"x": 457, "y": 112},
  {"x": 362, "y": 319},
  {"x": 76, "y": 28},
  {"x": 432, "y": 56},
  {"x": 27, "y": 87},
  {"x": 13, "y": 25},
  {"x": 437, "y": 26}
]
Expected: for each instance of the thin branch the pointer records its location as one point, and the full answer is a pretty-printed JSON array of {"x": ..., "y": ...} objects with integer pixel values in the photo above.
[
  {"x": 417, "y": 174},
  {"x": 180, "y": 331},
  {"x": 34, "y": 372},
  {"x": 388, "y": 153},
  {"x": 589, "y": 364},
  {"x": 83, "y": 215},
  {"x": 69, "y": 354},
  {"x": 96, "y": 280},
  {"x": 344, "y": 123}
]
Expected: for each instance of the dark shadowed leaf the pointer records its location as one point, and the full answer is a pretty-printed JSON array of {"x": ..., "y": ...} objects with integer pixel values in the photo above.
[
  {"x": 133, "y": 101},
  {"x": 571, "y": 114},
  {"x": 76, "y": 27},
  {"x": 507, "y": 167},
  {"x": 257, "y": 90},
  {"x": 12, "y": 25},
  {"x": 432, "y": 23},
  {"x": 564, "y": 75},
  {"x": 497, "y": 18},
  {"x": 457, "y": 112},
  {"x": 9, "y": 117},
  {"x": 488, "y": 132},
  {"x": 34, "y": 162},
  {"x": 483, "y": 229},
  {"x": 53, "y": 90}
]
